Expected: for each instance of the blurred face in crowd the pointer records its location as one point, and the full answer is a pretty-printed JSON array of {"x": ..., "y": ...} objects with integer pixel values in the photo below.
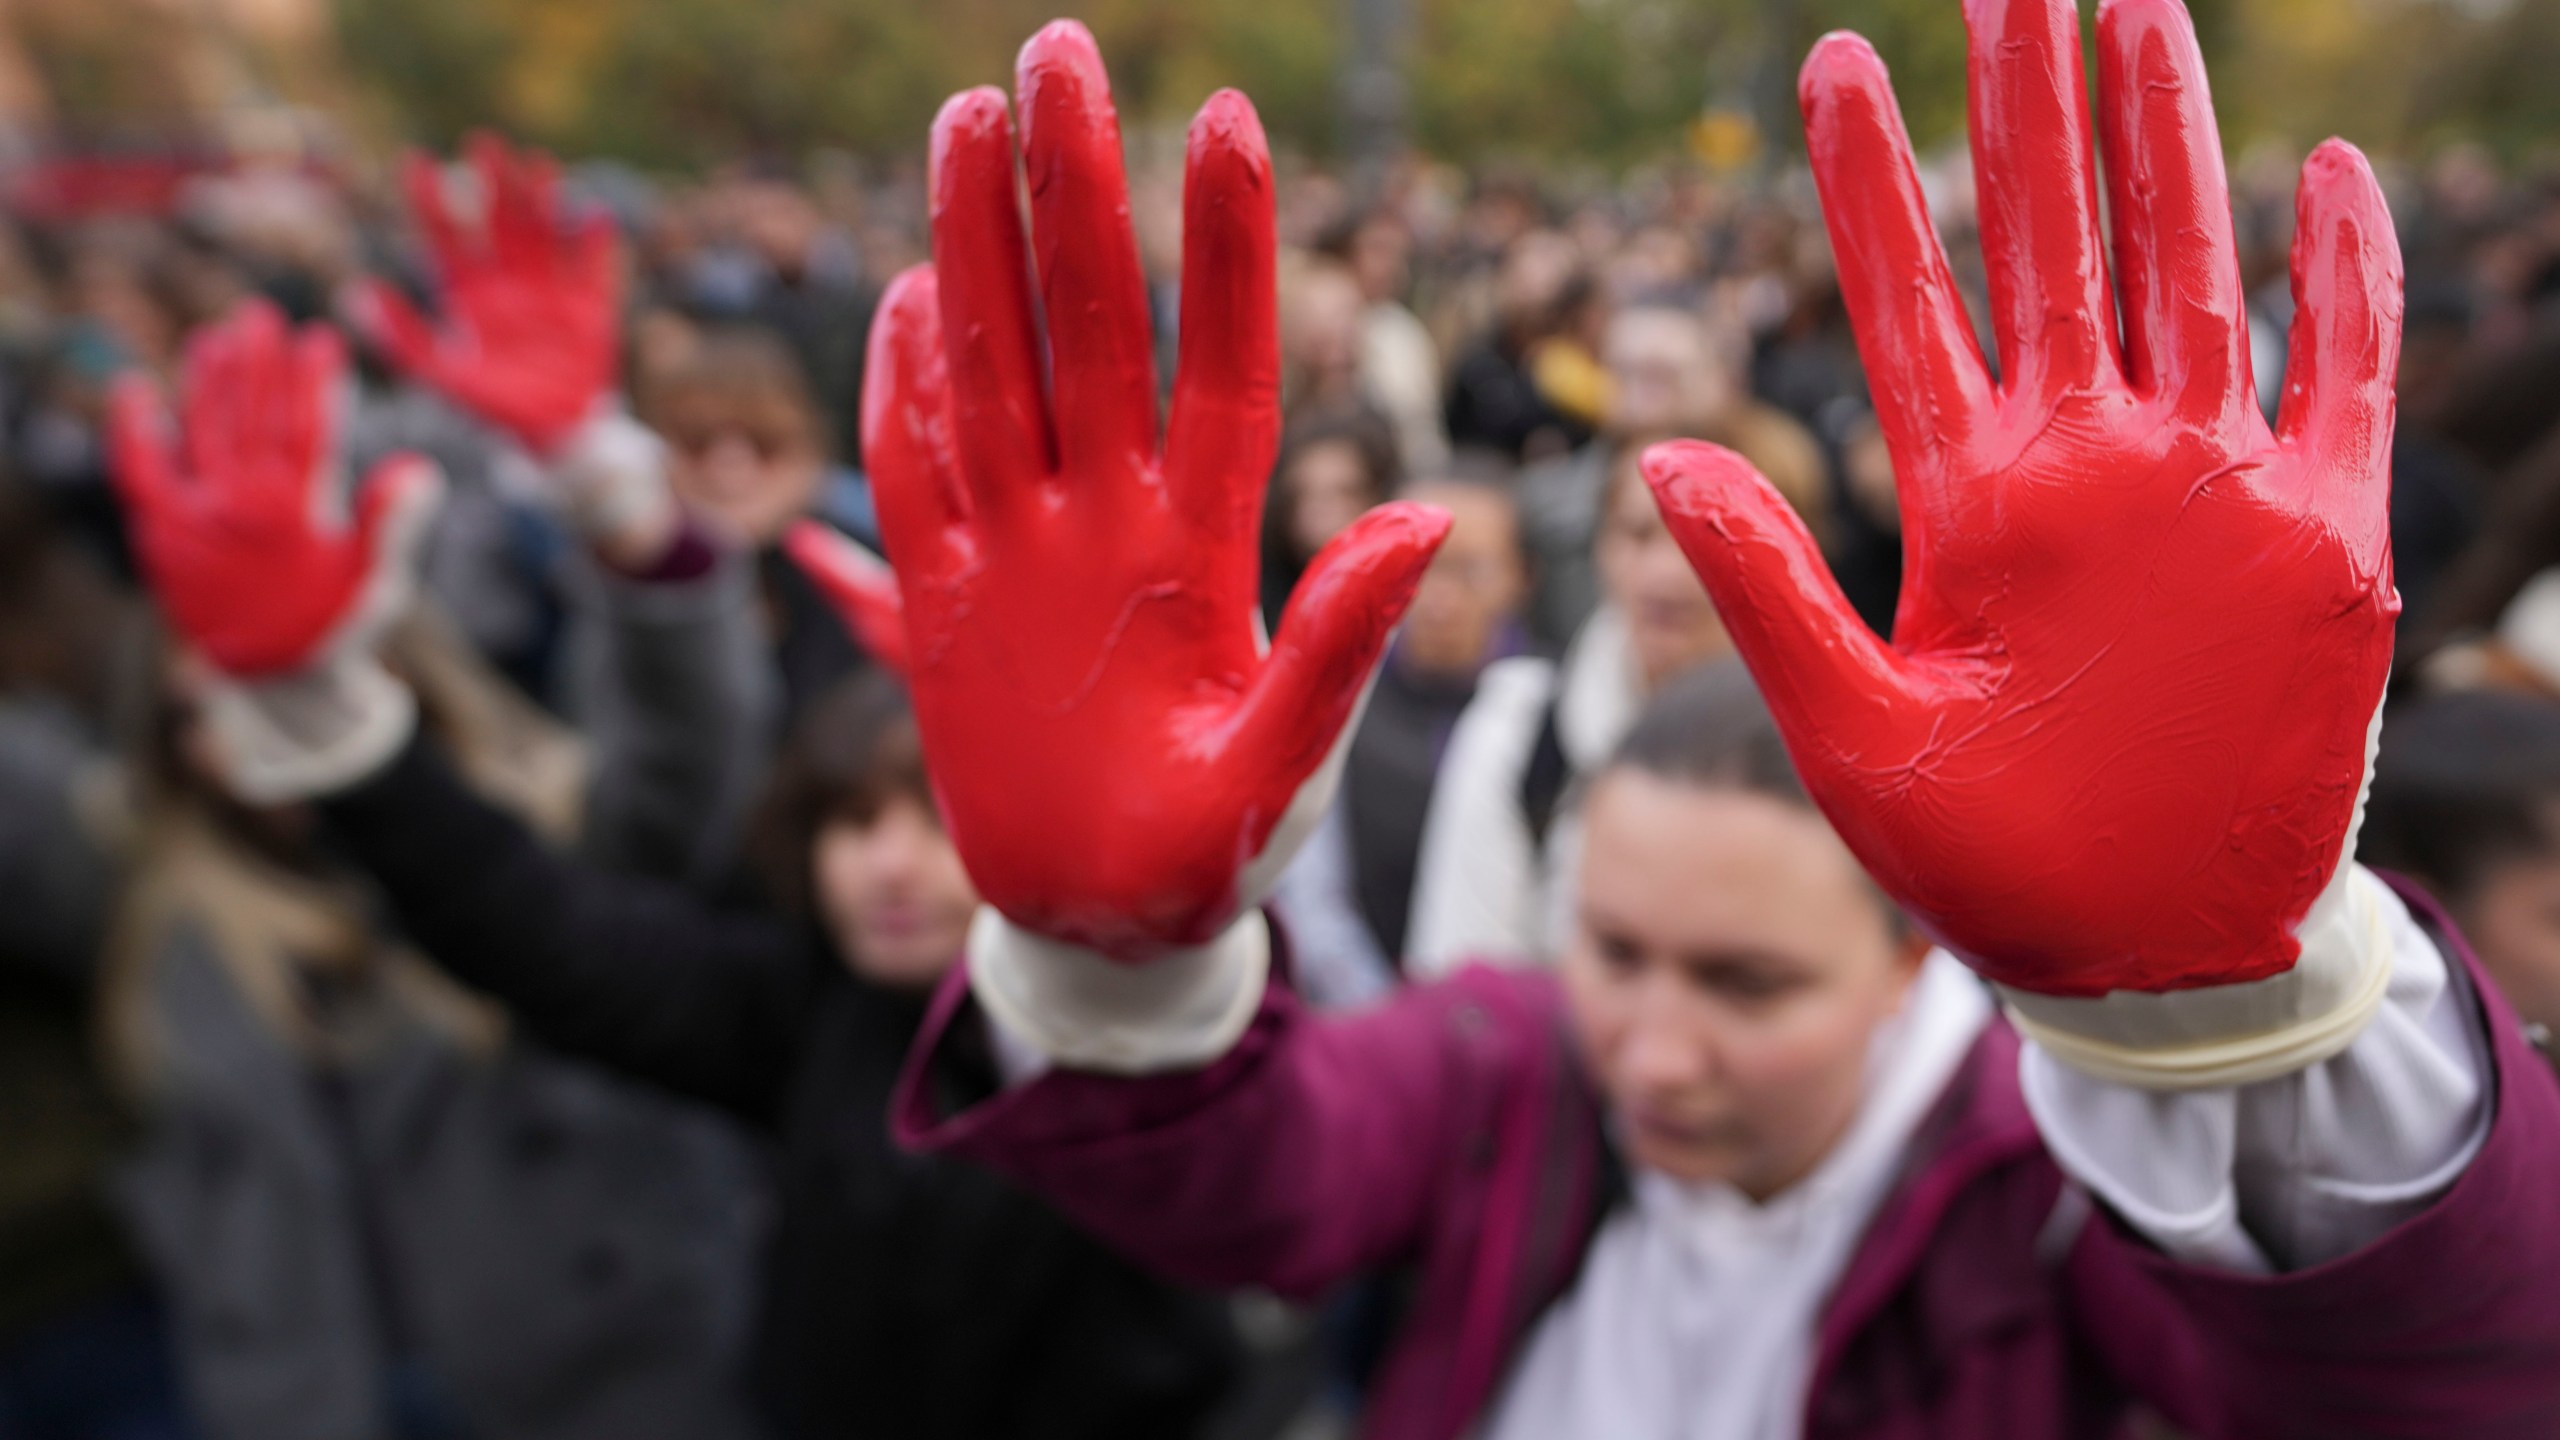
[
  {"x": 1595, "y": 232},
  {"x": 1320, "y": 327},
  {"x": 1666, "y": 375},
  {"x": 1475, "y": 584},
  {"x": 892, "y": 894},
  {"x": 1669, "y": 618},
  {"x": 780, "y": 223},
  {"x": 1382, "y": 258},
  {"x": 745, "y": 458},
  {"x": 1535, "y": 271},
  {"x": 1658, "y": 257},
  {"x": 1329, "y": 486},
  {"x": 1728, "y": 970},
  {"x": 2512, "y": 919}
]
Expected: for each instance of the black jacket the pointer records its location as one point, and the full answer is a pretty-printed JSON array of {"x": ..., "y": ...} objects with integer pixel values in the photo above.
[{"x": 907, "y": 1296}]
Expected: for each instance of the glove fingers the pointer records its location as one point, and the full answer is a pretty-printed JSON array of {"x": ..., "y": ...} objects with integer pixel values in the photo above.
[
  {"x": 535, "y": 186},
  {"x": 508, "y": 202},
  {"x": 1928, "y": 379},
  {"x": 1102, "y": 371},
  {"x": 1336, "y": 624},
  {"x": 1816, "y": 661},
  {"x": 2345, "y": 349},
  {"x": 859, "y": 585},
  {"x": 422, "y": 177},
  {"x": 274, "y": 412},
  {"x": 983, "y": 272},
  {"x": 209, "y": 402},
  {"x": 1225, "y": 428},
  {"x": 907, "y": 424},
  {"x": 2051, "y": 310},
  {"x": 2186, "y": 326}
]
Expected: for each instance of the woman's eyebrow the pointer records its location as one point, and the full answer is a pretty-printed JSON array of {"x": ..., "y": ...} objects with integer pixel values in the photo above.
[{"x": 1729, "y": 960}]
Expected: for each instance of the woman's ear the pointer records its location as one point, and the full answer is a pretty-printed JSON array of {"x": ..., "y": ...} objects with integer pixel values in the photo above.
[{"x": 1910, "y": 947}]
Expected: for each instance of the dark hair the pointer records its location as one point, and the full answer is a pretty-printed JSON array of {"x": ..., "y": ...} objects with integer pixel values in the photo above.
[
  {"x": 2519, "y": 537},
  {"x": 1354, "y": 424},
  {"x": 2463, "y": 783},
  {"x": 852, "y": 751},
  {"x": 1709, "y": 727},
  {"x": 733, "y": 360}
]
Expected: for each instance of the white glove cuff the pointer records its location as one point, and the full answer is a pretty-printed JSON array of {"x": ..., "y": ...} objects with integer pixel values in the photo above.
[
  {"x": 611, "y": 477},
  {"x": 1178, "y": 1011},
  {"x": 311, "y": 733},
  {"x": 2223, "y": 1035}
]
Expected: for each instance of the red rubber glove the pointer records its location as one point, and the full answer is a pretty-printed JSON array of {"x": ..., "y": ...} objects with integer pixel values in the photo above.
[
  {"x": 532, "y": 300},
  {"x": 242, "y": 523},
  {"x": 1110, "y": 745},
  {"x": 2119, "y": 738},
  {"x": 860, "y": 586}
]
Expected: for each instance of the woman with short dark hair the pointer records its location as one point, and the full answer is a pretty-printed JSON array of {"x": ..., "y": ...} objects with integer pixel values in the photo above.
[{"x": 906, "y": 1296}]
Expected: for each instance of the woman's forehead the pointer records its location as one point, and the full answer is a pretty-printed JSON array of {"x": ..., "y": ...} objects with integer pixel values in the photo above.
[{"x": 1696, "y": 858}]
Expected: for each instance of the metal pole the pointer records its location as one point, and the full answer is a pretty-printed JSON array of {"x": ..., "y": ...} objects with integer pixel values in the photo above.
[{"x": 1373, "y": 89}]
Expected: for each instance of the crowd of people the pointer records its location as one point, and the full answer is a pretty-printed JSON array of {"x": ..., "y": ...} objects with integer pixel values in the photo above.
[{"x": 537, "y": 1078}]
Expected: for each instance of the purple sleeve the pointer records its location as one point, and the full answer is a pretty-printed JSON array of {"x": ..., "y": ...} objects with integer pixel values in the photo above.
[
  {"x": 690, "y": 554},
  {"x": 2447, "y": 1325},
  {"x": 1316, "y": 1148}
]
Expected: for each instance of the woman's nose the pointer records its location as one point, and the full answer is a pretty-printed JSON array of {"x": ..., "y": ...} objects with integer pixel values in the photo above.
[{"x": 1667, "y": 1048}]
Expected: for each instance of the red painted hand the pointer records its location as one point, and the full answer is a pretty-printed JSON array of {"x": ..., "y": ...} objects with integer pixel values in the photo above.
[
  {"x": 2119, "y": 737},
  {"x": 1110, "y": 746},
  {"x": 241, "y": 524},
  {"x": 531, "y": 300}
]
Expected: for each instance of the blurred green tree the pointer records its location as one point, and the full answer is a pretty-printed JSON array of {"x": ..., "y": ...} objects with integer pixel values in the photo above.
[{"x": 1594, "y": 82}]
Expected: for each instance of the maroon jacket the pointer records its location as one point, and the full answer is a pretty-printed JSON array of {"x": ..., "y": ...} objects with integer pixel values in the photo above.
[{"x": 1452, "y": 1132}]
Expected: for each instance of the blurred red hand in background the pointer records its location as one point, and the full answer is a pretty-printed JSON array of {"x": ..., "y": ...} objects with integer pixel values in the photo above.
[
  {"x": 240, "y": 519},
  {"x": 531, "y": 299}
]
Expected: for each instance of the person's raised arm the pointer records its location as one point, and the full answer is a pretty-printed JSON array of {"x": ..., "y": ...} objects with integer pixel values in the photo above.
[
  {"x": 280, "y": 577},
  {"x": 671, "y": 683},
  {"x": 1122, "y": 763},
  {"x": 2115, "y": 752},
  {"x": 527, "y": 339}
]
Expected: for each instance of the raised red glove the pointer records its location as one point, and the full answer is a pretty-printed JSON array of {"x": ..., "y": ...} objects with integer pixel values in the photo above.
[
  {"x": 2118, "y": 740},
  {"x": 242, "y": 524},
  {"x": 531, "y": 299},
  {"x": 1109, "y": 744},
  {"x": 858, "y": 584}
]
